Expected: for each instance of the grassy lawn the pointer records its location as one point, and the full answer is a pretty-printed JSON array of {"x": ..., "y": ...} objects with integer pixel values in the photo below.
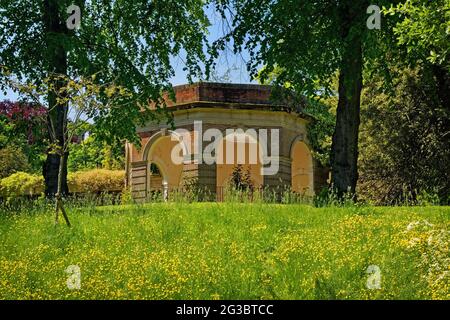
[{"x": 227, "y": 251}]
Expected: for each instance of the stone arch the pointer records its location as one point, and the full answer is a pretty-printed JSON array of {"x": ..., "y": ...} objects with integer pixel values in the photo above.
[
  {"x": 163, "y": 133},
  {"x": 239, "y": 140},
  {"x": 302, "y": 167},
  {"x": 158, "y": 151}
]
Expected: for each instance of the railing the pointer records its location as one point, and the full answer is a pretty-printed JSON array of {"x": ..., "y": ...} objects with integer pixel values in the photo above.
[{"x": 222, "y": 194}]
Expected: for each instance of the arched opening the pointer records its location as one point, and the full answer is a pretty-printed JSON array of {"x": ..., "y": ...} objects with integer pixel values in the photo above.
[
  {"x": 238, "y": 151},
  {"x": 302, "y": 169},
  {"x": 163, "y": 172},
  {"x": 156, "y": 177}
]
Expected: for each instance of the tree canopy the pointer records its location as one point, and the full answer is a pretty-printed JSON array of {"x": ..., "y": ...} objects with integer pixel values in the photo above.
[
  {"x": 307, "y": 44},
  {"x": 126, "y": 42},
  {"x": 129, "y": 43}
]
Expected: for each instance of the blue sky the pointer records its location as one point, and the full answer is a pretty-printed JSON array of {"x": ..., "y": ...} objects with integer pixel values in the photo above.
[
  {"x": 229, "y": 64},
  {"x": 232, "y": 65}
]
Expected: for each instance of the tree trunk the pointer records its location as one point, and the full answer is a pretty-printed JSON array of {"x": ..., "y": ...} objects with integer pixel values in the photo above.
[
  {"x": 58, "y": 203},
  {"x": 51, "y": 175},
  {"x": 57, "y": 64},
  {"x": 344, "y": 148}
]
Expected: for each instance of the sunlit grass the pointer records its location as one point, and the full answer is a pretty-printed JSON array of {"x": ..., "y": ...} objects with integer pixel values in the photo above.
[{"x": 226, "y": 251}]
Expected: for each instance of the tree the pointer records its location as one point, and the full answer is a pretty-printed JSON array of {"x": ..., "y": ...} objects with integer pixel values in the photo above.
[
  {"x": 422, "y": 33},
  {"x": 87, "y": 151},
  {"x": 22, "y": 131},
  {"x": 130, "y": 42},
  {"x": 12, "y": 159},
  {"x": 93, "y": 153},
  {"x": 404, "y": 141},
  {"x": 84, "y": 100},
  {"x": 309, "y": 41},
  {"x": 406, "y": 107}
]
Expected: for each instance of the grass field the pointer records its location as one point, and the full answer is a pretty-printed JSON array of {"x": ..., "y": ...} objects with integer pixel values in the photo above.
[{"x": 228, "y": 251}]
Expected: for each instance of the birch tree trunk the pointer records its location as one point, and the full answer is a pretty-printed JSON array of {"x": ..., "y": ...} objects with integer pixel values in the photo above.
[{"x": 58, "y": 197}]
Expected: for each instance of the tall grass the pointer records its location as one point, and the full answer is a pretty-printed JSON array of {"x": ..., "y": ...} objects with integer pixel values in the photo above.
[{"x": 229, "y": 250}]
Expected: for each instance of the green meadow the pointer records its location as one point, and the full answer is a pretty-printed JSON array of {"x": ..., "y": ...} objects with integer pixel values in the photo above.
[{"x": 226, "y": 251}]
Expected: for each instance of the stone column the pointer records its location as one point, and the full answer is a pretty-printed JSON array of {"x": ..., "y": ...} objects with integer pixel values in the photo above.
[
  {"x": 282, "y": 178},
  {"x": 204, "y": 175},
  {"x": 207, "y": 174},
  {"x": 139, "y": 173}
]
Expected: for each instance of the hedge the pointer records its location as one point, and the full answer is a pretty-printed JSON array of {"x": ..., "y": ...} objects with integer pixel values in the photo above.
[
  {"x": 21, "y": 184},
  {"x": 92, "y": 181},
  {"x": 96, "y": 181}
]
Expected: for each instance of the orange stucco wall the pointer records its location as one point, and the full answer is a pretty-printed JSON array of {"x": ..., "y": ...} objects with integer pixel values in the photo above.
[
  {"x": 225, "y": 170},
  {"x": 302, "y": 169}
]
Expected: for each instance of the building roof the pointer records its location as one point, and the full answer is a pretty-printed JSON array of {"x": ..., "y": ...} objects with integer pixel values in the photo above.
[
  {"x": 223, "y": 93},
  {"x": 232, "y": 96}
]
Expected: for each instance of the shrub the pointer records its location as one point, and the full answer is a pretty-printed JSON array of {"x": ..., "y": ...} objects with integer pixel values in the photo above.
[
  {"x": 126, "y": 196},
  {"x": 240, "y": 179},
  {"x": 191, "y": 191},
  {"x": 21, "y": 184},
  {"x": 12, "y": 159},
  {"x": 96, "y": 181}
]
